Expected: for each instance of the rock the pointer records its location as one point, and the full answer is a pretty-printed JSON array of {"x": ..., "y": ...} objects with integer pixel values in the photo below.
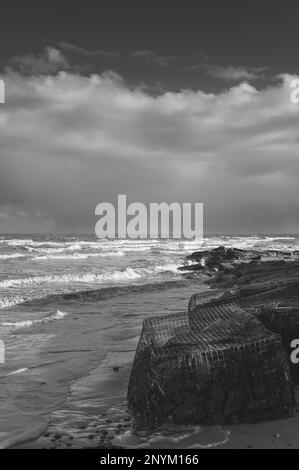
[
  {"x": 191, "y": 267},
  {"x": 238, "y": 262}
]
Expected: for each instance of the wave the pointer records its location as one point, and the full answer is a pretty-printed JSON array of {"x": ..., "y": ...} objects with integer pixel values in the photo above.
[
  {"x": 8, "y": 302},
  {"x": 17, "y": 371},
  {"x": 47, "y": 250},
  {"x": 11, "y": 256},
  {"x": 175, "y": 436},
  {"x": 79, "y": 256},
  {"x": 258, "y": 242},
  {"x": 127, "y": 274},
  {"x": 137, "y": 248},
  {"x": 114, "y": 276},
  {"x": 30, "y": 242},
  {"x": 93, "y": 294},
  {"x": 27, "y": 323},
  {"x": 33, "y": 249}
]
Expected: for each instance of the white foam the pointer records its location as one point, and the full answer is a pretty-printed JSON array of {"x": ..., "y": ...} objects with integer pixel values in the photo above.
[
  {"x": 124, "y": 275},
  {"x": 212, "y": 444},
  {"x": 170, "y": 267},
  {"x": 78, "y": 256},
  {"x": 179, "y": 436},
  {"x": 11, "y": 256},
  {"x": 17, "y": 371},
  {"x": 28, "y": 323},
  {"x": 30, "y": 242},
  {"x": 137, "y": 248},
  {"x": 7, "y": 302},
  {"x": 44, "y": 250}
]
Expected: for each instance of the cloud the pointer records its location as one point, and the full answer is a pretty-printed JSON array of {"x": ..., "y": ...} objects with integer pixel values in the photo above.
[
  {"x": 165, "y": 61},
  {"x": 51, "y": 61},
  {"x": 143, "y": 53},
  {"x": 154, "y": 58},
  {"x": 229, "y": 73},
  {"x": 67, "y": 47},
  {"x": 235, "y": 73},
  {"x": 69, "y": 142}
]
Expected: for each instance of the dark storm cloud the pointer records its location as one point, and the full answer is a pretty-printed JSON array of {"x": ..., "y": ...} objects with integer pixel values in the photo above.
[
  {"x": 235, "y": 73},
  {"x": 49, "y": 62},
  {"x": 69, "y": 142},
  {"x": 227, "y": 73},
  {"x": 211, "y": 126}
]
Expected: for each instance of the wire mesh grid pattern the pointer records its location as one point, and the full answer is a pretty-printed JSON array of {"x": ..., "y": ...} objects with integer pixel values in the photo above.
[
  {"x": 252, "y": 296},
  {"x": 215, "y": 346},
  {"x": 206, "y": 340}
]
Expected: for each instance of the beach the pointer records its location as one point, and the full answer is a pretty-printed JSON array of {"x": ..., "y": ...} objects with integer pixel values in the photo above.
[{"x": 71, "y": 314}]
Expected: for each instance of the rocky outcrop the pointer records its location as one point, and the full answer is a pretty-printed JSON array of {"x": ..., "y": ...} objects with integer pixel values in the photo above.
[
  {"x": 219, "y": 259},
  {"x": 228, "y": 266}
]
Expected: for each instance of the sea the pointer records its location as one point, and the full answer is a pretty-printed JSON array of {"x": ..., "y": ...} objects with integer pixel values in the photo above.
[{"x": 71, "y": 313}]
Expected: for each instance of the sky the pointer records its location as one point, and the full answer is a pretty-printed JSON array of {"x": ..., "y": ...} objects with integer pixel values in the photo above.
[{"x": 164, "y": 101}]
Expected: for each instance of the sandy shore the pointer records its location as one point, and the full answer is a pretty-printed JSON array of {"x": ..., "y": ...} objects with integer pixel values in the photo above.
[
  {"x": 282, "y": 434},
  {"x": 107, "y": 431},
  {"x": 104, "y": 429}
]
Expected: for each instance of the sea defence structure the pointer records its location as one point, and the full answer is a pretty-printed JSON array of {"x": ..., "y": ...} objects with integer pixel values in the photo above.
[{"x": 226, "y": 359}]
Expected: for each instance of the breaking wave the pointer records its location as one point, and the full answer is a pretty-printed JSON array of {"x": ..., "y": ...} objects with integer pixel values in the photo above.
[
  {"x": 11, "y": 256},
  {"x": 115, "y": 276},
  {"x": 27, "y": 323},
  {"x": 79, "y": 256},
  {"x": 91, "y": 294}
]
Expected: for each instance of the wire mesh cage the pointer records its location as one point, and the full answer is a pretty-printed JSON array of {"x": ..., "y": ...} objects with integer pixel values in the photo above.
[
  {"x": 251, "y": 296},
  {"x": 218, "y": 364}
]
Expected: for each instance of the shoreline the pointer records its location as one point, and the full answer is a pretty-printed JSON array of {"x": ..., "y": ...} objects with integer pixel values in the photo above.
[{"x": 270, "y": 434}]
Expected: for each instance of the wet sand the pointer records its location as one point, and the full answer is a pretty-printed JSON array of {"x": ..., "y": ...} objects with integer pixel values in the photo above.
[
  {"x": 282, "y": 434},
  {"x": 111, "y": 426},
  {"x": 95, "y": 415}
]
